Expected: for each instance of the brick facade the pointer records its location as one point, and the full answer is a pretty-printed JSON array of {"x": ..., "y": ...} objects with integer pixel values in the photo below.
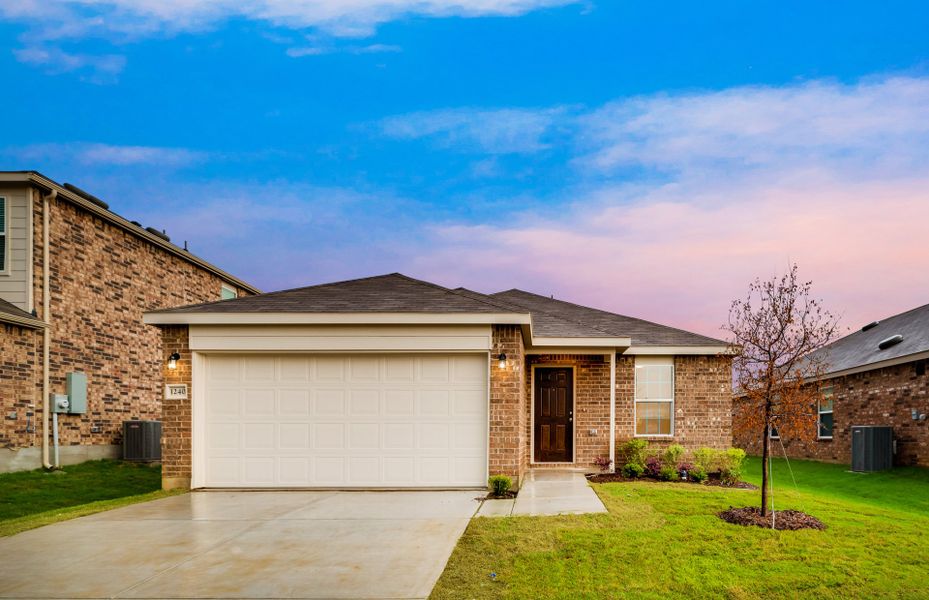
[
  {"x": 885, "y": 396},
  {"x": 509, "y": 449},
  {"x": 20, "y": 384},
  {"x": 176, "y": 423},
  {"x": 101, "y": 281}
]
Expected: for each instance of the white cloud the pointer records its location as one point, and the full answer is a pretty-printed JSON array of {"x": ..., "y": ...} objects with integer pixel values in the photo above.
[
  {"x": 494, "y": 131},
  {"x": 114, "y": 155},
  {"x": 301, "y": 51},
  {"x": 344, "y": 18},
  {"x": 100, "y": 68}
]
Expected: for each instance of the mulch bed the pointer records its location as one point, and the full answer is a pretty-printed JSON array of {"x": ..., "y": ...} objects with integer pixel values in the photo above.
[
  {"x": 492, "y": 496},
  {"x": 714, "y": 482},
  {"x": 783, "y": 519}
]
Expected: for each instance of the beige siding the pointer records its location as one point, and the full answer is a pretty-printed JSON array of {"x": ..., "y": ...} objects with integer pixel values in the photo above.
[{"x": 13, "y": 281}]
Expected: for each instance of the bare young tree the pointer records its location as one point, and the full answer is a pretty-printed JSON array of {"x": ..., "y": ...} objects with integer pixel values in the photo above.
[{"x": 774, "y": 331}]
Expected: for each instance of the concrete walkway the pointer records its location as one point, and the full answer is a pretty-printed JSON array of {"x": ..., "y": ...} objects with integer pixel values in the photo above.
[
  {"x": 244, "y": 545},
  {"x": 547, "y": 492}
]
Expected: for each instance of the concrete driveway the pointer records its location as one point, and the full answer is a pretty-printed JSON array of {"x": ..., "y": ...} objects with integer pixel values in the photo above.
[{"x": 244, "y": 545}]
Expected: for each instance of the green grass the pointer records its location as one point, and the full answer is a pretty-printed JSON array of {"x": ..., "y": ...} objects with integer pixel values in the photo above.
[
  {"x": 662, "y": 540},
  {"x": 31, "y": 499}
]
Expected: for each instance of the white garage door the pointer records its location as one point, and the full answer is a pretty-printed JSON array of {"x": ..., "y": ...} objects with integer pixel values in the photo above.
[{"x": 344, "y": 421}]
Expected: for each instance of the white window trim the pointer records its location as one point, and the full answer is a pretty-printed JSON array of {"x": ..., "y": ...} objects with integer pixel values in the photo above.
[
  {"x": 635, "y": 401},
  {"x": 5, "y": 232},
  {"x": 226, "y": 288},
  {"x": 771, "y": 433},
  {"x": 820, "y": 412}
]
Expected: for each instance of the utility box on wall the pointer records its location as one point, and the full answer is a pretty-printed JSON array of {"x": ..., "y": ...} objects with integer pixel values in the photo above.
[
  {"x": 872, "y": 448},
  {"x": 77, "y": 393}
]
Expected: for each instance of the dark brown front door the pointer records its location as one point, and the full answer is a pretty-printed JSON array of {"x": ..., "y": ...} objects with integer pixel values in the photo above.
[{"x": 554, "y": 415}]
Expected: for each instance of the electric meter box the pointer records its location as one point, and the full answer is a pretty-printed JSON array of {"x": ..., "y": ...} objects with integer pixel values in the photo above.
[
  {"x": 77, "y": 393},
  {"x": 59, "y": 403}
]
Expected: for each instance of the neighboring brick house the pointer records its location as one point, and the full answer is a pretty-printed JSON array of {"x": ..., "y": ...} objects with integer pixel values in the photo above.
[
  {"x": 392, "y": 382},
  {"x": 873, "y": 378},
  {"x": 104, "y": 273}
]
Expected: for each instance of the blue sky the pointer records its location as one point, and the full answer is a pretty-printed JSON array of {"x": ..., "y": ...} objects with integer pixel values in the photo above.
[{"x": 646, "y": 157}]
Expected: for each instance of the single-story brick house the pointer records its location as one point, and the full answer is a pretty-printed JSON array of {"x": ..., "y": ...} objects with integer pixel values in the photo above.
[
  {"x": 75, "y": 278},
  {"x": 873, "y": 377},
  {"x": 392, "y": 382}
]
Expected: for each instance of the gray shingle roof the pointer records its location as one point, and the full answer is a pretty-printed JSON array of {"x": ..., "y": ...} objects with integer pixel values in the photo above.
[
  {"x": 383, "y": 293},
  {"x": 13, "y": 314},
  {"x": 860, "y": 348},
  {"x": 401, "y": 294},
  {"x": 567, "y": 315}
]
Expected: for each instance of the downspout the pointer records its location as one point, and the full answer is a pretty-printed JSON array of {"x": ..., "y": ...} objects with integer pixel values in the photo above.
[
  {"x": 613, "y": 410},
  {"x": 46, "y": 332}
]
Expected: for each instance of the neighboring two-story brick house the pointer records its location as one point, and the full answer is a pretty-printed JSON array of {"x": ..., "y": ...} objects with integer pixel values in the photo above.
[
  {"x": 875, "y": 376},
  {"x": 83, "y": 314}
]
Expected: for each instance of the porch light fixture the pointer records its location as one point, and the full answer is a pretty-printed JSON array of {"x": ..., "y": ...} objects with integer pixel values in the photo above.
[
  {"x": 502, "y": 360},
  {"x": 172, "y": 360}
]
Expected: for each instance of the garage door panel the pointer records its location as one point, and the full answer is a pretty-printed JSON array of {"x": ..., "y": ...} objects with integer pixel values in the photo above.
[{"x": 344, "y": 421}]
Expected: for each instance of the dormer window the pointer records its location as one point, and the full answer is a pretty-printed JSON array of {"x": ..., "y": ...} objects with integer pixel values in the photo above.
[{"x": 227, "y": 293}]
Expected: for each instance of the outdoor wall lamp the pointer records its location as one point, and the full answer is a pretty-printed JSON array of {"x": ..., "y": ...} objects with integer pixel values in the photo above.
[
  {"x": 502, "y": 360},
  {"x": 172, "y": 360}
]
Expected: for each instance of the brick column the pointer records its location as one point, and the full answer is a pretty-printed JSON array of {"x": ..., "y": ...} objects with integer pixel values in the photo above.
[
  {"x": 509, "y": 451},
  {"x": 176, "y": 414}
]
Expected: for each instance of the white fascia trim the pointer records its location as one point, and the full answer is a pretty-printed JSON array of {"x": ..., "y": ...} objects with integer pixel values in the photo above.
[
  {"x": 646, "y": 350},
  {"x": 604, "y": 342},
  {"x": 890, "y": 362},
  {"x": 572, "y": 350},
  {"x": 270, "y": 318}
]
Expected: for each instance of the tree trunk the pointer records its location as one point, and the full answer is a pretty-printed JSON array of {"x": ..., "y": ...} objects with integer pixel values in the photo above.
[{"x": 764, "y": 466}]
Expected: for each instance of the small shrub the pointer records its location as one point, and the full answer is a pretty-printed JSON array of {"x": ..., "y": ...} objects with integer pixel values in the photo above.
[
  {"x": 653, "y": 466},
  {"x": 668, "y": 473},
  {"x": 673, "y": 454},
  {"x": 634, "y": 451},
  {"x": 633, "y": 470},
  {"x": 603, "y": 463},
  {"x": 731, "y": 461},
  {"x": 698, "y": 475},
  {"x": 705, "y": 459},
  {"x": 500, "y": 484}
]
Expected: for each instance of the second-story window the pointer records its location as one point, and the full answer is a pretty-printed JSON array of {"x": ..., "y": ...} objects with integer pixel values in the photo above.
[{"x": 227, "y": 293}]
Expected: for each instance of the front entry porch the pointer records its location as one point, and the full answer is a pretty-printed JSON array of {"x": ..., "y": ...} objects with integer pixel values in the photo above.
[{"x": 546, "y": 492}]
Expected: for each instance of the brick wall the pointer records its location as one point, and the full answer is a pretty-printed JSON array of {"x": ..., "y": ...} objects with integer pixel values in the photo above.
[
  {"x": 176, "y": 420},
  {"x": 20, "y": 381},
  {"x": 879, "y": 397},
  {"x": 508, "y": 418},
  {"x": 702, "y": 402},
  {"x": 102, "y": 280}
]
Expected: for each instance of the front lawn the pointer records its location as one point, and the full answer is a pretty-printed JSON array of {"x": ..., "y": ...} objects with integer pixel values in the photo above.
[
  {"x": 663, "y": 540},
  {"x": 30, "y": 499}
]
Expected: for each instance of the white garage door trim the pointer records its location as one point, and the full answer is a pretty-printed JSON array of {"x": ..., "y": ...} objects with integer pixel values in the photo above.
[{"x": 409, "y": 467}]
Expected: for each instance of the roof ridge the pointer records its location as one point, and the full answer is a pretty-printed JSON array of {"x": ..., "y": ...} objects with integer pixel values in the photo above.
[{"x": 600, "y": 310}]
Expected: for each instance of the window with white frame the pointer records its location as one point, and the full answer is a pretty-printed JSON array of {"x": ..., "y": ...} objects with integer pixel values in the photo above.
[
  {"x": 654, "y": 395},
  {"x": 227, "y": 293},
  {"x": 825, "y": 414},
  {"x": 3, "y": 234}
]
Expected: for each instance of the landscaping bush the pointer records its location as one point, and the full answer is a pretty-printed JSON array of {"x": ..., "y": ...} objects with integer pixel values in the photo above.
[
  {"x": 698, "y": 475},
  {"x": 634, "y": 452},
  {"x": 673, "y": 455},
  {"x": 500, "y": 484},
  {"x": 603, "y": 463},
  {"x": 653, "y": 466},
  {"x": 668, "y": 473},
  {"x": 633, "y": 470},
  {"x": 731, "y": 465},
  {"x": 705, "y": 459}
]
